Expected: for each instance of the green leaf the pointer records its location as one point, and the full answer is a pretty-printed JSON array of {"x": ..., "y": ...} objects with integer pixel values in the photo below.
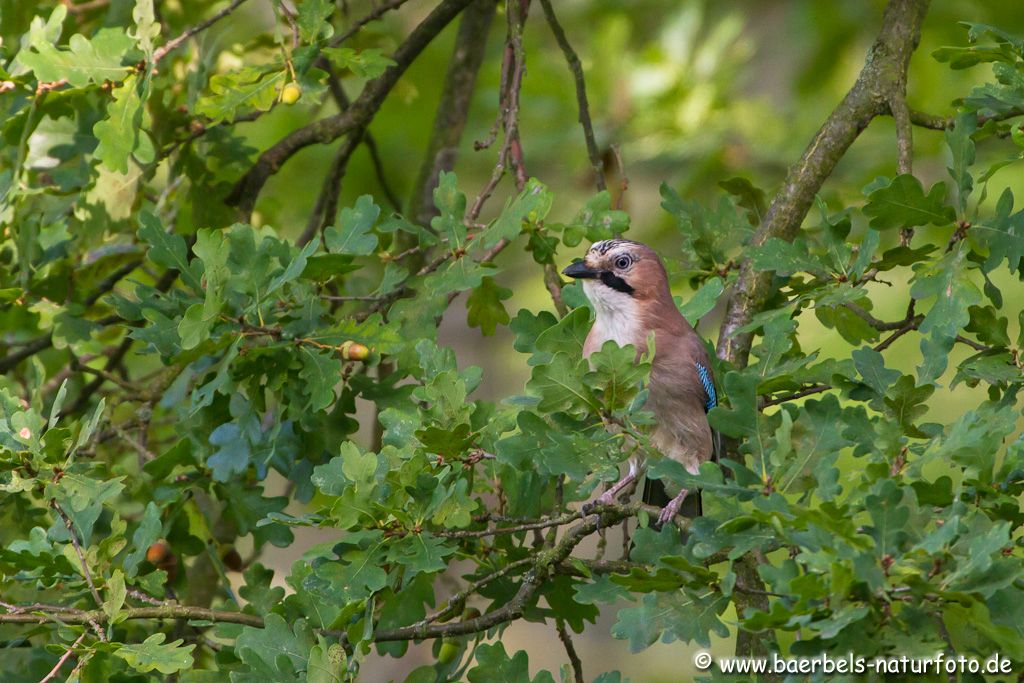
[
  {"x": 353, "y": 234},
  {"x": 961, "y": 148},
  {"x": 971, "y": 630},
  {"x": 559, "y": 384},
  {"x": 323, "y": 267},
  {"x": 276, "y": 650},
  {"x": 147, "y": 533},
  {"x": 677, "y": 615},
  {"x": 547, "y": 449},
  {"x": 369, "y": 63},
  {"x": 902, "y": 203},
  {"x": 327, "y": 663},
  {"x": 530, "y": 206},
  {"x": 948, "y": 281},
  {"x": 85, "y": 61},
  {"x": 152, "y": 654},
  {"x": 194, "y": 327},
  {"x": 232, "y": 454},
  {"x": 785, "y": 258},
  {"x": 484, "y": 308},
  {"x": 451, "y": 205},
  {"x": 247, "y": 87},
  {"x": 116, "y": 594},
  {"x": 871, "y": 366},
  {"x": 703, "y": 301},
  {"x": 213, "y": 250},
  {"x": 147, "y": 28},
  {"x": 313, "y": 20},
  {"x": 321, "y": 371},
  {"x": 167, "y": 249},
  {"x": 493, "y": 665},
  {"x": 749, "y": 197},
  {"x": 1003, "y": 235},
  {"x": 616, "y": 374},
  {"x": 118, "y": 133}
]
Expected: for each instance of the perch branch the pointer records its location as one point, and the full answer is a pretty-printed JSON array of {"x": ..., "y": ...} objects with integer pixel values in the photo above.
[{"x": 163, "y": 612}]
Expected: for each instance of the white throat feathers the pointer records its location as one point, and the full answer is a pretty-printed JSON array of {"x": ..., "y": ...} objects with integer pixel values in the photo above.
[{"x": 618, "y": 314}]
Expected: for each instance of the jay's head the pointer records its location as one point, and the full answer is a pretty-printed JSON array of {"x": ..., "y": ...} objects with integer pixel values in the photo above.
[{"x": 621, "y": 274}]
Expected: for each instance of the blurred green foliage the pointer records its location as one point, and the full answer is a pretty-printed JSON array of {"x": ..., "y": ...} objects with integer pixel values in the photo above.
[{"x": 184, "y": 385}]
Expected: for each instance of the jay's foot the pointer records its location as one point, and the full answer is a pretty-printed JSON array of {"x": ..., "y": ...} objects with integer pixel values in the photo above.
[
  {"x": 669, "y": 512},
  {"x": 609, "y": 496},
  {"x": 604, "y": 499}
]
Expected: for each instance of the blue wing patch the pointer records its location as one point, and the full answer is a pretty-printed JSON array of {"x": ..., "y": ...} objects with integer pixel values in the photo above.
[{"x": 709, "y": 387}]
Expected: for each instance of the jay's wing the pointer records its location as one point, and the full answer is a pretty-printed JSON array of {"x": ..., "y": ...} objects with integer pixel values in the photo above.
[{"x": 710, "y": 401}]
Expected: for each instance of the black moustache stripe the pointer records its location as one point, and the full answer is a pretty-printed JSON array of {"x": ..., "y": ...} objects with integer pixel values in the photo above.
[{"x": 616, "y": 283}]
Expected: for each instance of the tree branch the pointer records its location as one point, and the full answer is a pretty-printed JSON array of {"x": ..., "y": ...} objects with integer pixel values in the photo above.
[
  {"x": 163, "y": 612},
  {"x": 63, "y": 659},
  {"x": 374, "y": 15},
  {"x": 581, "y": 92},
  {"x": 933, "y": 122},
  {"x": 544, "y": 563},
  {"x": 563, "y": 635},
  {"x": 173, "y": 44},
  {"x": 453, "y": 107},
  {"x": 885, "y": 65},
  {"x": 362, "y": 111},
  {"x": 884, "y": 73},
  {"x": 327, "y": 201},
  {"x": 529, "y": 526}
]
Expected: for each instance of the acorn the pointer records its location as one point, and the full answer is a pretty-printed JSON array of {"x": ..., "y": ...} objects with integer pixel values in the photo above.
[
  {"x": 450, "y": 648},
  {"x": 291, "y": 93},
  {"x": 1017, "y": 135},
  {"x": 351, "y": 350},
  {"x": 159, "y": 554}
]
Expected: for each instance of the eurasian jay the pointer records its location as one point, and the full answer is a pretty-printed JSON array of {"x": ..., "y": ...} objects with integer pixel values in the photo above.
[{"x": 627, "y": 285}]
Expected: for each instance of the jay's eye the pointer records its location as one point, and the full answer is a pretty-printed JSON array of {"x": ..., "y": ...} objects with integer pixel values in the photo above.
[{"x": 622, "y": 262}]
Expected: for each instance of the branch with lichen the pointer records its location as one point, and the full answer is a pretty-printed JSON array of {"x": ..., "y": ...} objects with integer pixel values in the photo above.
[{"x": 879, "y": 89}]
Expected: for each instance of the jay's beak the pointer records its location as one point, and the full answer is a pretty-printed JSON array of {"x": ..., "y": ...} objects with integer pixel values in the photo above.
[{"x": 580, "y": 270}]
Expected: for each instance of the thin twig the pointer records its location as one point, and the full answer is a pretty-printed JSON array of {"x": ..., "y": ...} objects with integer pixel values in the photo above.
[
  {"x": 511, "y": 152},
  {"x": 874, "y": 322},
  {"x": 374, "y": 15},
  {"x": 343, "y": 102},
  {"x": 457, "y": 600},
  {"x": 172, "y": 44},
  {"x": 544, "y": 564},
  {"x": 530, "y": 526},
  {"x": 78, "y": 550},
  {"x": 581, "y": 92},
  {"x": 563, "y": 635},
  {"x": 933, "y": 122},
  {"x": 85, "y": 566},
  {"x": 64, "y": 658},
  {"x": 623, "y": 178},
  {"x": 452, "y": 108},
  {"x": 327, "y": 201},
  {"x": 806, "y": 391}
]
